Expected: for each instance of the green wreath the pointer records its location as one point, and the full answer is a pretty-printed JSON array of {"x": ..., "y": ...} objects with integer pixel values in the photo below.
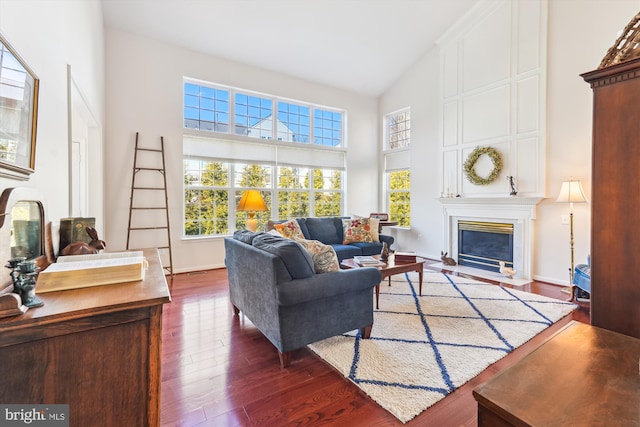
[{"x": 470, "y": 163}]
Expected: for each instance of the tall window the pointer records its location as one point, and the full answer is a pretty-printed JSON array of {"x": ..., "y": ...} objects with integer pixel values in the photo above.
[
  {"x": 399, "y": 197},
  {"x": 292, "y": 152},
  {"x": 397, "y": 162},
  {"x": 209, "y": 108}
]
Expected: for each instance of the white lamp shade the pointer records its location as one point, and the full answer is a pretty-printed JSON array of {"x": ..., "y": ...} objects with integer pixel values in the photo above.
[{"x": 571, "y": 192}]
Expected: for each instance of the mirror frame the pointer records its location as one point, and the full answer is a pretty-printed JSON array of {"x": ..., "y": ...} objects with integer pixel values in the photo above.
[
  {"x": 8, "y": 200},
  {"x": 21, "y": 161}
]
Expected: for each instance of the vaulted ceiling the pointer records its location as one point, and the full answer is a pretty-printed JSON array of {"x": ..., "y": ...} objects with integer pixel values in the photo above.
[{"x": 358, "y": 45}]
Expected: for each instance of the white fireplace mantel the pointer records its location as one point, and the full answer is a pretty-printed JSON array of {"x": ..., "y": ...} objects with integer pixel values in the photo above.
[{"x": 519, "y": 211}]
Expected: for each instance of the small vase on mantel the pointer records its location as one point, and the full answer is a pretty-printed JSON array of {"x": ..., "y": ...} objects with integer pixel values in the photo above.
[{"x": 384, "y": 254}]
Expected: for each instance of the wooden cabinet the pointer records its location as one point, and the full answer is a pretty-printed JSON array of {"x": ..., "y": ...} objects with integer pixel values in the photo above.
[
  {"x": 96, "y": 349},
  {"x": 615, "y": 202},
  {"x": 581, "y": 376}
]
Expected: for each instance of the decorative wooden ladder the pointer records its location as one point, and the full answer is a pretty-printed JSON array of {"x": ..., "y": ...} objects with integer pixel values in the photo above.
[{"x": 144, "y": 181}]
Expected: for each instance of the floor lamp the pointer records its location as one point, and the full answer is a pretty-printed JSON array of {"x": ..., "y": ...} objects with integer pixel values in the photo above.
[
  {"x": 571, "y": 192},
  {"x": 251, "y": 202}
]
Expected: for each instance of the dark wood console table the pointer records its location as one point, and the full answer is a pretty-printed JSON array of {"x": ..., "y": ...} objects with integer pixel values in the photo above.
[
  {"x": 96, "y": 349},
  {"x": 581, "y": 376}
]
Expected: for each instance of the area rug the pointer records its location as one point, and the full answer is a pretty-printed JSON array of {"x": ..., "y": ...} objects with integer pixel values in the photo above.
[{"x": 423, "y": 348}]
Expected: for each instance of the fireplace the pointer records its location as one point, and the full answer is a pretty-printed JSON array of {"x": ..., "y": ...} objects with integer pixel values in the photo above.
[
  {"x": 483, "y": 244},
  {"x": 517, "y": 212}
]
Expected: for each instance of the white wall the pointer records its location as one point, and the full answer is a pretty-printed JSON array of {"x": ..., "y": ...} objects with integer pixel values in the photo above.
[
  {"x": 579, "y": 34},
  {"x": 49, "y": 35},
  {"x": 144, "y": 94}
]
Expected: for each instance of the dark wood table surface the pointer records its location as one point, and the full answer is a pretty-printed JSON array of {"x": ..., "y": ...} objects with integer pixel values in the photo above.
[
  {"x": 390, "y": 268},
  {"x": 581, "y": 376}
]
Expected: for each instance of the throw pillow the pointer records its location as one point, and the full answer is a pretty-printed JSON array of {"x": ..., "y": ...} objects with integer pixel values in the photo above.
[
  {"x": 375, "y": 225},
  {"x": 356, "y": 230},
  {"x": 289, "y": 229},
  {"x": 324, "y": 256}
]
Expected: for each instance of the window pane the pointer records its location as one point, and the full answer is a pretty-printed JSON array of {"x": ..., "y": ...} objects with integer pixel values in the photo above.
[
  {"x": 290, "y": 117},
  {"x": 327, "y": 128},
  {"x": 254, "y": 116},
  {"x": 398, "y": 130},
  {"x": 203, "y": 111},
  {"x": 293, "y": 204},
  {"x": 399, "y": 197},
  {"x": 252, "y": 176},
  {"x": 327, "y": 204}
]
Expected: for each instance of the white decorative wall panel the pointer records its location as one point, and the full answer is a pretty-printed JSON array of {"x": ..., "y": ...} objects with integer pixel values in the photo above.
[
  {"x": 486, "y": 115},
  {"x": 450, "y": 72},
  {"x": 499, "y": 52},
  {"x": 528, "y": 36},
  {"x": 450, "y": 173},
  {"x": 528, "y": 105},
  {"x": 450, "y": 123},
  {"x": 527, "y": 166},
  {"x": 488, "y": 43}
]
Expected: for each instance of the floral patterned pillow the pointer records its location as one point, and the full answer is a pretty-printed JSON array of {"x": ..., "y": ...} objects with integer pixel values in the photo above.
[
  {"x": 356, "y": 230},
  {"x": 290, "y": 229},
  {"x": 324, "y": 256}
]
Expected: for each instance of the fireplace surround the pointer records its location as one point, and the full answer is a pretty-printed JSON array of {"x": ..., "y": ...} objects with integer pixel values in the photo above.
[{"x": 520, "y": 212}]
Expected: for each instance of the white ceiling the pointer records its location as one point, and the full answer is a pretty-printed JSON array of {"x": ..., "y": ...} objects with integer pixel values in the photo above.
[{"x": 358, "y": 45}]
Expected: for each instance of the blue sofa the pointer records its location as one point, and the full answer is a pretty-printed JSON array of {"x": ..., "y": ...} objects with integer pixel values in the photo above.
[
  {"x": 330, "y": 232},
  {"x": 272, "y": 281}
]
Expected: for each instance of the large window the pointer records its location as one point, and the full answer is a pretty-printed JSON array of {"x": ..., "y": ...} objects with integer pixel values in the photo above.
[
  {"x": 210, "y": 185},
  {"x": 208, "y": 108},
  {"x": 292, "y": 152},
  {"x": 397, "y": 162}
]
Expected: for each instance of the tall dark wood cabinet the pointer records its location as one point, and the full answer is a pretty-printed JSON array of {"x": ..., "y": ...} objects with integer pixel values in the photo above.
[{"x": 615, "y": 204}]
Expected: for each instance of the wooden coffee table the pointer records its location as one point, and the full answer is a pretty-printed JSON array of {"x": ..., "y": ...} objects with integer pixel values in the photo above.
[{"x": 389, "y": 269}]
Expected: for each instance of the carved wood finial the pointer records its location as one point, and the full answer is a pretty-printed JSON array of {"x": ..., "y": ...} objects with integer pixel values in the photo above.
[{"x": 626, "y": 47}]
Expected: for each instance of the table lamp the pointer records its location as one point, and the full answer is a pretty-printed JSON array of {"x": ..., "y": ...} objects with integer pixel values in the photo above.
[
  {"x": 571, "y": 192},
  {"x": 251, "y": 202}
]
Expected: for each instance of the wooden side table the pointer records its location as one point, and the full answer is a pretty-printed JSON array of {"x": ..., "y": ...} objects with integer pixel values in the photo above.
[
  {"x": 581, "y": 376},
  {"x": 386, "y": 224}
]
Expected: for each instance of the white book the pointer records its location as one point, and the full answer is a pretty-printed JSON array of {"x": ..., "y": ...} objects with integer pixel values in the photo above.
[{"x": 81, "y": 271}]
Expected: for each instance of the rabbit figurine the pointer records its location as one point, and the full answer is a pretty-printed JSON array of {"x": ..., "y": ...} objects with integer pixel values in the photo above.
[
  {"x": 447, "y": 260},
  {"x": 82, "y": 248}
]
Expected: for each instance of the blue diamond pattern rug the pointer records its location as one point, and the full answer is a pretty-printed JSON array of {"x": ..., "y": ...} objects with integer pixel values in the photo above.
[{"x": 423, "y": 348}]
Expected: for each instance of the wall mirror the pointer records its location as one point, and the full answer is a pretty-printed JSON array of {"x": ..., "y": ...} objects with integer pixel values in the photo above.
[
  {"x": 22, "y": 229},
  {"x": 18, "y": 114}
]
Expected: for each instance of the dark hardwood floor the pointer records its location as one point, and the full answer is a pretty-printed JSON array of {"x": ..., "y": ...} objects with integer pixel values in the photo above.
[{"x": 218, "y": 370}]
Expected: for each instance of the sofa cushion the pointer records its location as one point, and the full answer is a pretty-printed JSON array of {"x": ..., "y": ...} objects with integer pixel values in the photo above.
[
  {"x": 296, "y": 259},
  {"x": 289, "y": 229},
  {"x": 324, "y": 257},
  {"x": 356, "y": 230},
  {"x": 324, "y": 230},
  {"x": 346, "y": 251},
  {"x": 245, "y": 236},
  {"x": 369, "y": 248}
]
